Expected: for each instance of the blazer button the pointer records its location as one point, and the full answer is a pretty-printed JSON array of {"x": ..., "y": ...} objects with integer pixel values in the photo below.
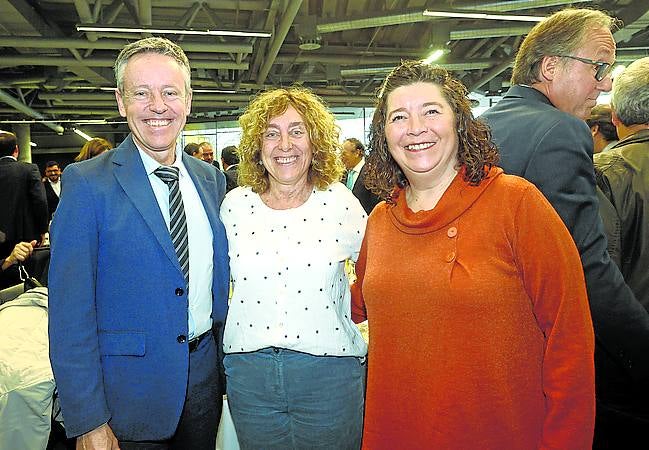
[
  {"x": 180, "y": 291},
  {"x": 451, "y": 232},
  {"x": 181, "y": 339}
]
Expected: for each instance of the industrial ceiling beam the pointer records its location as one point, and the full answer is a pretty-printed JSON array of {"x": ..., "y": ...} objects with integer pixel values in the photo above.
[{"x": 21, "y": 107}]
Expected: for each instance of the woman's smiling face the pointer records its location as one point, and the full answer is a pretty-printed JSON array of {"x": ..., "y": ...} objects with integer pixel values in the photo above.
[{"x": 420, "y": 130}]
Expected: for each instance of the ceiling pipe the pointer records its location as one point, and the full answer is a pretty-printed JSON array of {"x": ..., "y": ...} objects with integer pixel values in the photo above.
[
  {"x": 493, "y": 73},
  {"x": 8, "y": 61},
  {"x": 17, "y": 105},
  {"x": 144, "y": 12},
  {"x": 85, "y": 15},
  {"x": 285, "y": 25},
  {"x": 114, "y": 44}
]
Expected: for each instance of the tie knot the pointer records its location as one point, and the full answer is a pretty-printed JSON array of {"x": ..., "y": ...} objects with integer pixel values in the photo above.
[{"x": 168, "y": 174}]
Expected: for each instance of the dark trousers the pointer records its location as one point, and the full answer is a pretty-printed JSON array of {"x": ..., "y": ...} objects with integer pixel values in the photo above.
[{"x": 199, "y": 420}]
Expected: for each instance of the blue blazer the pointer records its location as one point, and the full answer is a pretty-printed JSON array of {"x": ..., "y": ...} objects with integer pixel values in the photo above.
[
  {"x": 115, "y": 307},
  {"x": 554, "y": 150}
]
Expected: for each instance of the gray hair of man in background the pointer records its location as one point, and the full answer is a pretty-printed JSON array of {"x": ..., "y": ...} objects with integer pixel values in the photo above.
[{"x": 630, "y": 97}]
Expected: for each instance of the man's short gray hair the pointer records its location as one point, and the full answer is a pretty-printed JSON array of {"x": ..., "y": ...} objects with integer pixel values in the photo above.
[
  {"x": 158, "y": 45},
  {"x": 630, "y": 97}
]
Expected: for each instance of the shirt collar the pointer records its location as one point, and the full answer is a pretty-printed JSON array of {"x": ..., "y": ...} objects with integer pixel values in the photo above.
[
  {"x": 357, "y": 168},
  {"x": 150, "y": 164}
]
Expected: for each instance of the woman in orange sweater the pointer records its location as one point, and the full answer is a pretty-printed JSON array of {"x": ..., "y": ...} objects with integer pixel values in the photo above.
[{"x": 480, "y": 331}]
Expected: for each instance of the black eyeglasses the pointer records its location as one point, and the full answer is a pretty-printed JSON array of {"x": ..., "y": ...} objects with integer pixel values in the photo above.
[{"x": 603, "y": 68}]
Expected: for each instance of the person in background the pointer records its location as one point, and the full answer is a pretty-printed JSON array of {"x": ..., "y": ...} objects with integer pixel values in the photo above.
[
  {"x": 353, "y": 156},
  {"x": 23, "y": 203},
  {"x": 602, "y": 128},
  {"x": 480, "y": 332},
  {"x": 92, "y": 148},
  {"x": 139, "y": 274},
  {"x": 230, "y": 163},
  {"x": 295, "y": 362},
  {"x": 207, "y": 153},
  {"x": 193, "y": 149},
  {"x": 623, "y": 177},
  {"x": 539, "y": 126},
  {"x": 52, "y": 185}
]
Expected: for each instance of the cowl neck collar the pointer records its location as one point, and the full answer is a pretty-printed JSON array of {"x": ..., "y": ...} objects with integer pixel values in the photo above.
[{"x": 458, "y": 198}]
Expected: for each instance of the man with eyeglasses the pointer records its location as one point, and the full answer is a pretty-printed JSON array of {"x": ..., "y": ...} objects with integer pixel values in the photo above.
[{"x": 539, "y": 126}]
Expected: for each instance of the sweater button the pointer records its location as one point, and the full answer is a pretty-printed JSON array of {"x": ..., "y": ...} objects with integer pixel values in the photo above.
[
  {"x": 451, "y": 232},
  {"x": 450, "y": 257}
]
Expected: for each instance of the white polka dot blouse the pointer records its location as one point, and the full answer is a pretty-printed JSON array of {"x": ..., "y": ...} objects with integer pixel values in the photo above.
[{"x": 290, "y": 289}]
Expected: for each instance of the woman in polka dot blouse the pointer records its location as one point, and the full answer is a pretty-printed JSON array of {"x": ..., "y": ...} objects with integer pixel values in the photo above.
[{"x": 295, "y": 361}]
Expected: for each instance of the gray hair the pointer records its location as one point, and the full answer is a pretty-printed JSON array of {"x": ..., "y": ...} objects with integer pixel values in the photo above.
[
  {"x": 630, "y": 97},
  {"x": 562, "y": 33},
  {"x": 158, "y": 45}
]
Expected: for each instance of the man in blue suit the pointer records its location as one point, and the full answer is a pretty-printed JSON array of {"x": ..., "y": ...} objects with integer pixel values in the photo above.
[
  {"x": 139, "y": 274},
  {"x": 561, "y": 68}
]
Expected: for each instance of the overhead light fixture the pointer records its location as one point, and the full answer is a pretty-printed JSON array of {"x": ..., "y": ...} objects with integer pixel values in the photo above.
[
  {"x": 214, "y": 91},
  {"x": 434, "y": 56},
  {"x": 82, "y": 134},
  {"x": 112, "y": 29},
  {"x": 486, "y": 16}
]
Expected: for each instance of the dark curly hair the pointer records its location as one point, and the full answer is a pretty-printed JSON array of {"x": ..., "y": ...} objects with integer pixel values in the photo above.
[{"x": 476, "y": 151}]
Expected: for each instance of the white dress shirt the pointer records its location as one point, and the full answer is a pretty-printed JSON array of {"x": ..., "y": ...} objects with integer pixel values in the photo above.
[
  {"x": 56, "y": 187},
  {"x": 290, "y": 289},
  {"x": 199, "y": 233}
]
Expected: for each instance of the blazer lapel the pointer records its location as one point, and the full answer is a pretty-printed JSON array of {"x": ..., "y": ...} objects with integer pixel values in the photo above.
[{"x": 131, "y": 175}]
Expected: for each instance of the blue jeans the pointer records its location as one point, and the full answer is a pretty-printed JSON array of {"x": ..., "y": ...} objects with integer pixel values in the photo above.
[{"x": 282, "y": 399}]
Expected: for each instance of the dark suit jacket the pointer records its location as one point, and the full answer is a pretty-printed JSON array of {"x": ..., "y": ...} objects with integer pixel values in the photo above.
[
  {"x": 367, "y": 199},
  {"x": 231, "y": 177},
  {"x": 553, "y": 150},
  {"x": 23, "y": 206},
  {"x": 52, "y": 198},
  {"x": 117, "y": 309}
]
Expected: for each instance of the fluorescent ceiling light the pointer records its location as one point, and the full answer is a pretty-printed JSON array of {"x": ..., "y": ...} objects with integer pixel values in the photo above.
[
  {"x": 110, "y": 29},
  {"x": 214, "y": 91},
  {"x": 434, "y": 56},
  {"x": 82, "y": 134},
  {"x": 488, "y": 16}
]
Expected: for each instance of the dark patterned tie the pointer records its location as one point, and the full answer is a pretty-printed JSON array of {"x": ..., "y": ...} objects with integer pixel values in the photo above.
[{"x": 177, "y": 221}]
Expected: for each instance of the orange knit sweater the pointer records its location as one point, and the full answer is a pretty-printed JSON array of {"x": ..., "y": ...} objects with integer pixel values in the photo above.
[{"x": 480, "y": 331}]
